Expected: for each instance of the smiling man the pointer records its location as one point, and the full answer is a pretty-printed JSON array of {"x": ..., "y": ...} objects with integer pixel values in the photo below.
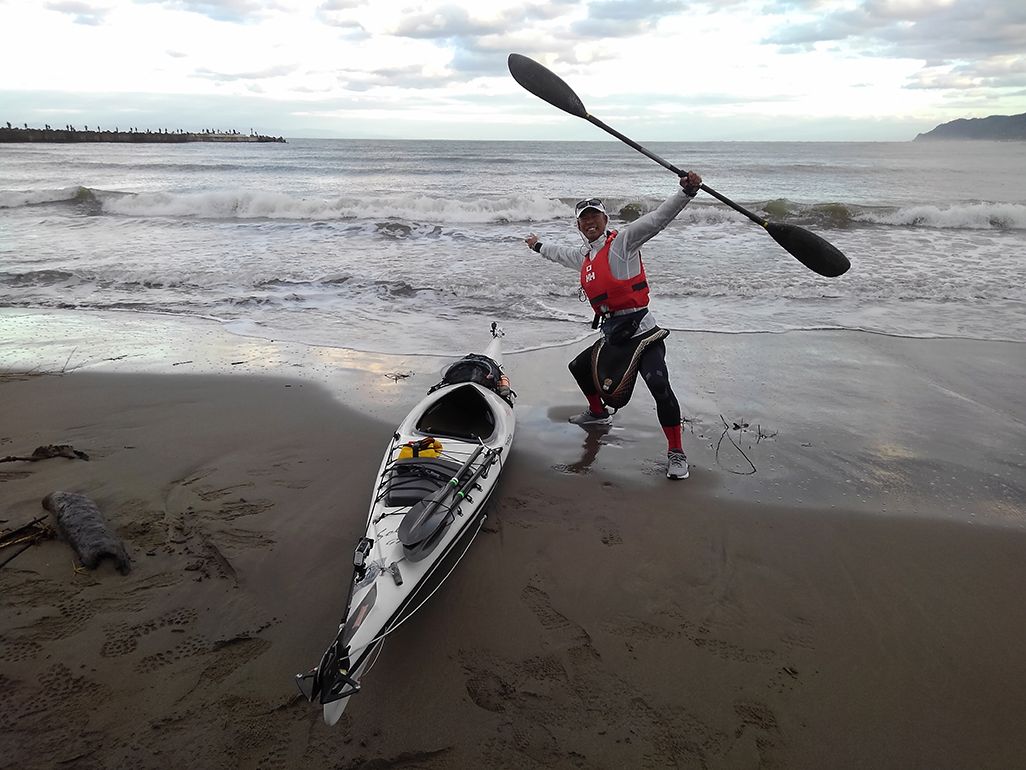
[{"x": 613, "y": 278}]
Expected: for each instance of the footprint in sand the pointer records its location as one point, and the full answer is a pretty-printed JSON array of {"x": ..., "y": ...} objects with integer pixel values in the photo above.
[
  {"x": 226, "y": 655},
  {"x": 551, "y": 619},
  {"x": 123, "y": 639},
  {"x": 216, "y": 494},
  {"x": 609, "y": 532},
  {"x": 760, "y": 717},
  {"x": 50, "y": 715},
  {"x": 15, "y": 651}
]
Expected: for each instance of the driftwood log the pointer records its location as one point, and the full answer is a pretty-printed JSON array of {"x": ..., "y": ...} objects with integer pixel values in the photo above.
[{"x": 80, "y": 522}]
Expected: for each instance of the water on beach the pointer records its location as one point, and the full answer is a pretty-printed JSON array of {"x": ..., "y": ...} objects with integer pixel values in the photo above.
[{"x": 395, "y": 246}]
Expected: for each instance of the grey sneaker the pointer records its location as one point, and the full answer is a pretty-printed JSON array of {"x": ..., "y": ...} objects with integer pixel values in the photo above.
[
  {"x": 587, "y": 417},
  {"x": 676, "y": 465}
]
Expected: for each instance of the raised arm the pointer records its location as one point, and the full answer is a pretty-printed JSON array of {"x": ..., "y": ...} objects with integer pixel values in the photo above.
[
  {"x": 645, "y": 227},
  {"x": 568, "y": 256}
]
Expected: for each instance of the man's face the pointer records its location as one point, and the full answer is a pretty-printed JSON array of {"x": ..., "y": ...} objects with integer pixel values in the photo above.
[{"x": 592, "y": 223}]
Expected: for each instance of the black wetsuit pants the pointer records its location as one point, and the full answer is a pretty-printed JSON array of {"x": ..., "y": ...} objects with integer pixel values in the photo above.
[{"x": 651, "y": 367}]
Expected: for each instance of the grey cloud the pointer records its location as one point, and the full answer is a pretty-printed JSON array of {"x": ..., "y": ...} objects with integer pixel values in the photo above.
[
  {"x": 625, "y": 10},
  {"x": 992, "y": 73},
  {"x": 339, "y": 13},
  {"x": 83, "y": 13},
  {"x": 594, "y": 29},
  {"x": 221, "y": 10},
  {"x": 803, "y": 37},
  {"x": 486, "y": 57},
  {"x": 443, "y": 23},
  {"x": 480, "y": 62},
  {"x": 967, "y": 33},
  {"x": 544, "y": 11},
  {"x": 623, "y": 18},
  {"x": 411, "y": 77},
  {"x": 347, "y": 27},
  {"x": 1000, "y": 67},
  {"x": 270, "y": 72},
  {"x": 479, "y": 47}
]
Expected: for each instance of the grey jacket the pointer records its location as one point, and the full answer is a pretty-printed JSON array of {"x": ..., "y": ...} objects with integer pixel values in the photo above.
[{"x": 625, "y": 251}]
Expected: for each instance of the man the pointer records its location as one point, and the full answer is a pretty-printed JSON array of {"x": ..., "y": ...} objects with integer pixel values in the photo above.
[{"x": 613, "y": 278}]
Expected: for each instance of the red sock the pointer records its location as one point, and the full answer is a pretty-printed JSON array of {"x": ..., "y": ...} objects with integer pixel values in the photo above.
[
  {"x": 595, "y": 404},
  {"x": 673, "y": 442}
]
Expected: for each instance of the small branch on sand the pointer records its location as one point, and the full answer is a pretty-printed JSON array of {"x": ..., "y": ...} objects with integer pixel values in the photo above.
[
  {"x": 27, "y": 536},
  {"x": 65, "y": 367},
  {"x": 726, "y": 432}
]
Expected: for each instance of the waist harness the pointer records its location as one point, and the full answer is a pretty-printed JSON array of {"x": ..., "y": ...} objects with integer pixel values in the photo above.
[{"x": 614, "y": 368}]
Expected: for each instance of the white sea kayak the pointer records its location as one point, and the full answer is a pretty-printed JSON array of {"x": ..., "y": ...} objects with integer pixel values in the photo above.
[{"x": 435, "y": 480}]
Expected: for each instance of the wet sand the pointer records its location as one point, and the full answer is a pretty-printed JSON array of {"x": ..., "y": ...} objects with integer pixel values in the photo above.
[{"x": 855, "y": 601}]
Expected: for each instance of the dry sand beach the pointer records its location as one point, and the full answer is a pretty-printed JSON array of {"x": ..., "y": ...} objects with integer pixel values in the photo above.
[{"x": 854, "y": 602}]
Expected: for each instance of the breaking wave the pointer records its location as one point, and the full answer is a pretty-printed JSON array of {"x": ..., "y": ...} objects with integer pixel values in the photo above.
[
  {"x": 11, "y": 199},
  {"x": 419, "y": 208},
  {"x": 965, "y": 216}
]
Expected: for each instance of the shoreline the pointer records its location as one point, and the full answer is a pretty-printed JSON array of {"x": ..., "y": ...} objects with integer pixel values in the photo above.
[
  {"x": 84, "y": 317},
  {"x": 856, "y": 602},
  {"x": 793, "y": 395}
]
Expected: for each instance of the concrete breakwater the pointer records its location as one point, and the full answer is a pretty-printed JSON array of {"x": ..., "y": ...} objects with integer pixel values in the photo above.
[{"x": 65, "y": 135}]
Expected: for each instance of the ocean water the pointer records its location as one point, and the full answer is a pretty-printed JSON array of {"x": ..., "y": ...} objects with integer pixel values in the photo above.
[{"x": 403, "y": 247}]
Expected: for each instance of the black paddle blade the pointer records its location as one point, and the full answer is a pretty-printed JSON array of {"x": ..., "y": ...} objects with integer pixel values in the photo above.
[
  {"x": 426, "y": 518},
  {"x": 816, "y": 253},
  {"x": 545, "y": 84}
]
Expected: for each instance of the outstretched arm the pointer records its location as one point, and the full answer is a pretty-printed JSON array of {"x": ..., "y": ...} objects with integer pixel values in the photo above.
[{"x": 568, "y": 256}]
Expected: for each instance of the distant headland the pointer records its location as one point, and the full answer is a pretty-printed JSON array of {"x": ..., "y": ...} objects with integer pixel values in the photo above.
[
  {"x": 996, "y": 128},
  {"x": 70, "y": 133}
]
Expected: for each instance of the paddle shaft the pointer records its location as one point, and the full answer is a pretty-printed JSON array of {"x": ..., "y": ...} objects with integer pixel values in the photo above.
[{"x": 666, "y": 164}]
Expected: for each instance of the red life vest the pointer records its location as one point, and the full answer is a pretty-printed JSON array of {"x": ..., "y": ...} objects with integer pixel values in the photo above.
[{"x": 607, "y": 293}]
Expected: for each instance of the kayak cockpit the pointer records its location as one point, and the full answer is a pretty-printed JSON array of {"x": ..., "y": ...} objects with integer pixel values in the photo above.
[{"x": 462, "y": 413}]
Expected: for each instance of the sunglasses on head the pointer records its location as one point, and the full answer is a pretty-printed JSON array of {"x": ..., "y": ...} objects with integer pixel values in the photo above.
[{"x": 589, "y": 203}]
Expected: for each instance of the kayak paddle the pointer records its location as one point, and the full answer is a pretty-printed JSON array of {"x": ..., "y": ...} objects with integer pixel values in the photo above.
[{"x": 813, "y": 251}]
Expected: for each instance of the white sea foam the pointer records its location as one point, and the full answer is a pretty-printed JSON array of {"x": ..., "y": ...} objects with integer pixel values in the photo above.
[
  {"x": 412, "y": 207},
  {"x": 973, "y": 216},
  {"x": 10, "y": 199}
]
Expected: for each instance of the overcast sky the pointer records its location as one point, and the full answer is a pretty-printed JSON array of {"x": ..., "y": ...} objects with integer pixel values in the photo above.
[{"x": 654, "y": 69}]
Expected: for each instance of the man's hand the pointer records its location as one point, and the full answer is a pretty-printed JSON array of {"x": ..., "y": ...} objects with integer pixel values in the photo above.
[
  {"x": 531, "y": 240},
  {"x": 691, "y": 182}
]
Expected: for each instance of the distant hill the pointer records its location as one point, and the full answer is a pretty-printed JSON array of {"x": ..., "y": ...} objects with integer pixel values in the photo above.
[{"x": 1000, "y": 128}]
